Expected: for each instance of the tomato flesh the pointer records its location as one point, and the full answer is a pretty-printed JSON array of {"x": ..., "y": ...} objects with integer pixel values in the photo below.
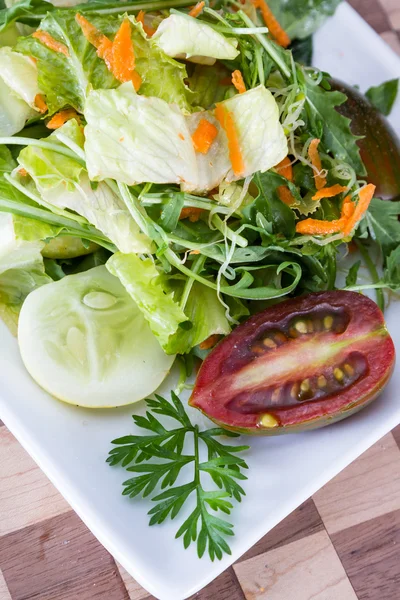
[{"x": 301, "y": 364}]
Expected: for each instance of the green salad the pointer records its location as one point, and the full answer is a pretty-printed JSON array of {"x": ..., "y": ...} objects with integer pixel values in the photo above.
[{"x": 166, "y": 172}]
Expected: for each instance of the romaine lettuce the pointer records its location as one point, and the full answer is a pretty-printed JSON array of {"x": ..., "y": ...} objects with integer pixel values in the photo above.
[
  {"x": 144, "y": 284},
  {"x": 66, "y": 80},
  {"x": 21, "y": 267},
  {"x": 185, "y": 37},
  {"x": 261, "y": 137},
  {"x": 133, "y": 139},
  {"x": 63, "y": 182},
  {"x": 207, "y": 316},
  {"x": 19, "y": 73}
]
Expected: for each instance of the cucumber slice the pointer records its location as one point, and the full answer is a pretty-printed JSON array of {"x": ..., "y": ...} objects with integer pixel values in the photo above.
[{"x": 84, "y": 340}]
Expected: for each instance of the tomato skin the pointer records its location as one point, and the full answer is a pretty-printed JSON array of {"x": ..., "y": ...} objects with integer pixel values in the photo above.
[{"x": 230, "y": 388}]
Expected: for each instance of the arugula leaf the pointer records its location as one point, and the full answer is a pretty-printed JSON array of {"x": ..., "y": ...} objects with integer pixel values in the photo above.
[
  {"x": 392, "y": 272},
  {"x": 334, "y": 129},
  {"x": 302, "y": 50},
  {"x": 382, "y": 223},
  {"x": 222, "y": 464},
  {"x": 301, "y": 18},
  {"x": 269, "y": 204},
  {"x": 352, "y": 275},
  {"x": 384, "y": 96}
]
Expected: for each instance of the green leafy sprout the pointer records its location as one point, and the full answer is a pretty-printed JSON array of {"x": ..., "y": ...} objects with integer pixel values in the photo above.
[{"x": 157, "y": 460}]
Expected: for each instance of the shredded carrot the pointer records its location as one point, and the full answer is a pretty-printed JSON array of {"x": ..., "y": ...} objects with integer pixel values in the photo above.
[
  {"x": 204, "y": 136},
  {"x": 237, "y": 80},
  {"x": 123, "y": 53},
  {"x": 210, "y": 342},
  {"x": 62, "y": 117},
  {"x": 101, "y": 42},
  {"x": 136, "y": 80},
  {"x": 181, "y": 136},
  {"x": 23, "y": 172},
  {"x": 194, "y": 252},
  {"x": 317, "y": 227},
  {"x": 272, "y": 23},
  {"x": 40, "y": 103},
  {"x": 320, "y": 180},
  {"x": 329, "y": 192},
  {"x": 196, "y": 10},
  {"x": 224, "y": 117},
  {"x": 348, "y": 208},
  {"x": 286, "y": 195},
  {"x": 191, "y": 213},
  {"x": 365, "y": 196},
  {"x": 285, "y": 169},
  {"x": 48, "y": 41},
  {"x": 149, "y": 31}
]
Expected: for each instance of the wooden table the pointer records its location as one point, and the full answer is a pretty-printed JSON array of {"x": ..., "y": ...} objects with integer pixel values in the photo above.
[{"x": 343, "y": 544}]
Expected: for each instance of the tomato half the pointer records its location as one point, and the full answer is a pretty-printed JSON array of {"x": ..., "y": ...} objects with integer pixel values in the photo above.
[{"x": 301, "y": 364}]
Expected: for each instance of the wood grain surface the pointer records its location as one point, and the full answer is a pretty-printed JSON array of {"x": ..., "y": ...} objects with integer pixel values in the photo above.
[{"x": 343, "y": 544}]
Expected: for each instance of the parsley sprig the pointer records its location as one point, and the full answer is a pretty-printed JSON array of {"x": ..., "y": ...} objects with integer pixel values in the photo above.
[{"x": 157, "y": 460}]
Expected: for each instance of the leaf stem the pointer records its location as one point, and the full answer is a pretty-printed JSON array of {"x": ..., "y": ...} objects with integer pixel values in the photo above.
[
  {"x": 23, "y": 141},
  {"x": 380, "y": 299},
  {"x": 196, "y": 457}
]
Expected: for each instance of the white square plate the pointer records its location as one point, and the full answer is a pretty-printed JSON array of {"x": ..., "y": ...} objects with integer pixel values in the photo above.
[{"x": 71, "y": 444}]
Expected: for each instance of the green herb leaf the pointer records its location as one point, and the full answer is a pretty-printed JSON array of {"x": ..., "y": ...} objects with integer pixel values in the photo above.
[
  {"x": 223, "y": 466},
  {"x": 384, "y": 96},
  {"x": 301, "y": 19},
  {"x": 325, "y": 121},
  {"x": 352, "y": 275},
  {"x": 383, "y": 223}
]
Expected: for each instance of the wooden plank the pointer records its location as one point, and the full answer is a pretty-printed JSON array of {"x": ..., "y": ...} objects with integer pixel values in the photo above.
[
  {"x": 370, "y": 553},
  {"x": 59, "y": 559}
]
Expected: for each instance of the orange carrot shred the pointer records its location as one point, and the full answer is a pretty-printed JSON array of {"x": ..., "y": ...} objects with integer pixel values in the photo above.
[
  {"x": 40, "y": 103},
  {"x": 62, "y": 117},
  {"x": 272, "y": 23},
  {"x": 224, "y": 117},
  {"x": 196, "y": 10},
  {"x": 123, "y": 63},
  {"x": 23, "y": 172},
  {"x": 286, "y": 195},
  {"x": 101, "y": 42},
  {"x": 237, "y": 80},
  {"x": 191, "y": 213},
  {"x": 136, "y": 80},
  {"x": 204, "y": 136},
  {"x": 365, "y": 196},
  {"x": 348, "y": 207},
  {"x": 317, "y": 227},
  {"x": 210, "y": 342},
  {"x": 285, "y": 169},
  {"x": 181, "y": 136},
  {"x": 329, "y": 192},
  {"x": 149, "y": 31},
  {"x": 194, "y": 252},
  {"x": 48, "y": 41},
  {"x": 320, "y": 180}
]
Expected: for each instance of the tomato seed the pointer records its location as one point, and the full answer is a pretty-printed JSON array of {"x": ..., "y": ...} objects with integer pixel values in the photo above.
[
  {"x": 269, "y": 343},
  {"x": 301, "y": 327},
  {"x": 338, "y": 374},
  {"x": 322, "y": 381},
  {"x": 328, "y": 322},
  {"x": 268, "y": 420},
  {"x": 349, "y": 369}
]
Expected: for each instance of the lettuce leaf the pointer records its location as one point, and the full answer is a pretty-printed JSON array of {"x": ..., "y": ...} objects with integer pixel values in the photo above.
[
  {"x": 186, "y": 37},
  {"x": 14, "y": 112},
  {"x": 206, "y": 87},
  {"x": 19, "y": 73},
  {"x": 207, "y": 316},
  {"x": 66, "y": 80},
  {"x": 144, "y": 284},
  {"x": 261, "y": 137},
  {"x": 134, "y": 139},
  {"x": 21, "y": 268},
  {"x": 63, "y": 182}
]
